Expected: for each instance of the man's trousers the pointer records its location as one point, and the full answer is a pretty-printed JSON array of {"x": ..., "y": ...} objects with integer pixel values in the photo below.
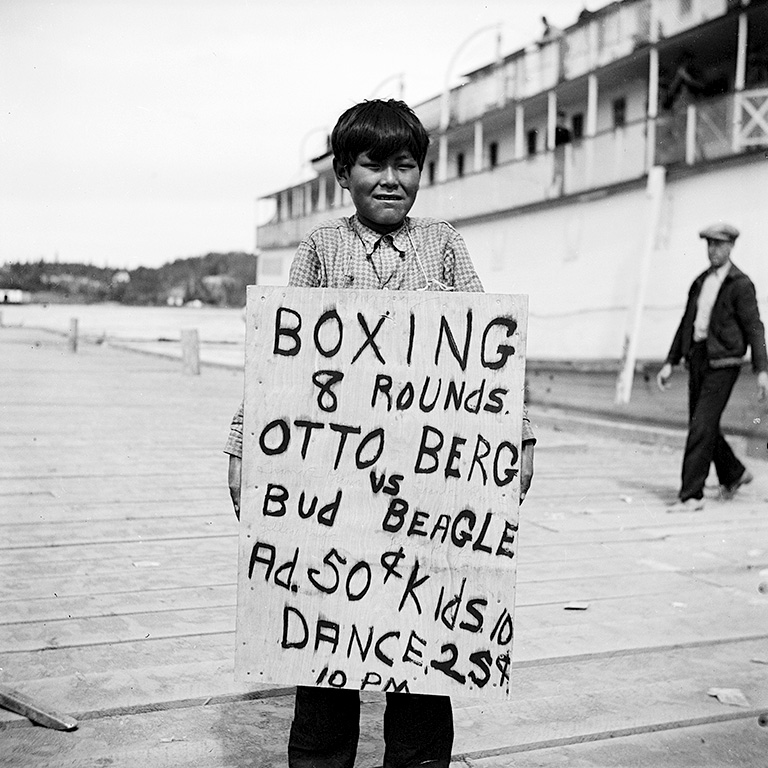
[
  {"x": 418, "y": 730},
  {"x": 708, "y": 393}
]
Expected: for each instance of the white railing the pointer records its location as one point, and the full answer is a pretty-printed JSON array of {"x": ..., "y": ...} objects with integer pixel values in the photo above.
[{"x": 751, "y": 108}]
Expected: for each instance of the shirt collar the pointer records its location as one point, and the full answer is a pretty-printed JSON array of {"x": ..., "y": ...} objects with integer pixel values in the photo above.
[{"x": 371, "y": 238}]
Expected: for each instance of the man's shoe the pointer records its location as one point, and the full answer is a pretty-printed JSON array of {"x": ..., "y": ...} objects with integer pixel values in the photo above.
[
  {"x": 729, "y": 491},
  {"x": 689, "y": 505}
]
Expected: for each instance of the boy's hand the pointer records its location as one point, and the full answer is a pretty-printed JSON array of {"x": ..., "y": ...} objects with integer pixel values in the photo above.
[
  {"x": 234, "y": 479},
  {"x": 526, "y": 469}
]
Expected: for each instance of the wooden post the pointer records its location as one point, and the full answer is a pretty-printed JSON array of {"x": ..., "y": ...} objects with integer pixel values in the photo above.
[
  {"x": 519, "y": 132},
  {"x": 690, "y": 135},
  {"x": 655, "y": 193},
  {"x": 73, "y": 334},
  {"x": 739, "y": 81},
  {"x": 477, "y": 165},
  {"x": 190, "y": 351}
]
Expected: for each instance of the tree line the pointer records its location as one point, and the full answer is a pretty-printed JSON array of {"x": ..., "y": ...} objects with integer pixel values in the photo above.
[{"x": 217, "y": 278}]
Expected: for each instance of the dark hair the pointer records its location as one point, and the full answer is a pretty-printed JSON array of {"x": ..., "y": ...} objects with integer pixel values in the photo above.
[{"x": 379, "y": 128}]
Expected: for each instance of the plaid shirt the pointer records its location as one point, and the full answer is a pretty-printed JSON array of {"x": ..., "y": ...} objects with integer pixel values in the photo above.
[{"x": 344, "y": 253}]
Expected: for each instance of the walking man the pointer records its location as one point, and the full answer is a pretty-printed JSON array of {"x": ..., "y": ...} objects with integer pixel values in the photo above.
[{"x": 721, "y": 320}]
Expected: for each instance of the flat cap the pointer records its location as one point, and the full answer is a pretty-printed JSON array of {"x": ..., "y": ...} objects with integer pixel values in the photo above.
[{"x": 720, "y": 231}]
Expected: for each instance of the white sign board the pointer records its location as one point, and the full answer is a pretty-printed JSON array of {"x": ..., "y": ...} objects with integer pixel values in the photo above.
[{"x": 380, "y": 489}]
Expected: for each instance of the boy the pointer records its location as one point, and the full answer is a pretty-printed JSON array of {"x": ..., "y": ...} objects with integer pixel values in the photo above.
[{"x": 379, "y": 149}]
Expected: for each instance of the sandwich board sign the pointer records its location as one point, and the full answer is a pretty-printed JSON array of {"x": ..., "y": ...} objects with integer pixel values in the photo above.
[{"x": 380, "y": 490}]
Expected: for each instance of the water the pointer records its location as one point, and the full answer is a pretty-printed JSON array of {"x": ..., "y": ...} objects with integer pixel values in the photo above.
[{"x": 153, "y": 329}]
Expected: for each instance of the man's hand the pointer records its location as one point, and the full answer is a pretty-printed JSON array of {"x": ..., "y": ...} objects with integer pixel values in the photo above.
[
  {"x": 234, "y": 479},
  {"x": 762, "y": 385},
  {"x": 663, "y": 376},
  {"x": 526, "y": 469}
]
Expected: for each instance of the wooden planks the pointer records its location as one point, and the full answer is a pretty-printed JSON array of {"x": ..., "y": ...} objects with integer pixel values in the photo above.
[{"x": 116, "y": 594}]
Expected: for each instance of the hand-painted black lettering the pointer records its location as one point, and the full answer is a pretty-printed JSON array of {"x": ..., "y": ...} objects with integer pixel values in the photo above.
[
  {"x": 343, "y": 431},
  {"x": 307, "y": 426},
  {"x": 355, "y": 637},
  {"x": 326, "y": 515},
  {"x": 358, "y": 593},
  {"x": 405, "y": 397},
  {"x": 416, "y": 528},
  {"x": 274, "y": 501},
  {"x": 265, "y": 554},
  {"x": 509, "y": 473},
  {"x": 461, "y": 537},
  {"x": 424, "y": 404},
  {"x": 369, "y": 337},
  {"x": 330, "y": 315},
  {"x": 495, "y": 402},
  {"x": 380, "y": 655},
  {"x": 504, "y": 630},
  {"x": 327, "y": 399},
  {"x": 395, "y": 516},
  {"x": 392, "y": 686},
  {"x": 442, "y": 526},
  {"x": 295, "y": 630},
  {"x": 383, "y": 385},
  {"x": 288, "y": 333},
  {"x": 450, "y": 613},
  {"x": 377, "y": 483},
  {"x": 372, "y": 680},
  {"x": 389, "y": 562},
  {"x": 482, "y": 660},
  {"x": 504, "y": 351},
  {"x": 454, "y": 454},
  {"x": 447, "y": 331},
  {"x": 411, "y": 336},
  {"x": 479, "y": 546},
  {"x": 335, "y": 578},
  {"x": 474, "y": 611},
  {"x": 283, "y": 434},
  {"x": 327, "y": 632},
  {"x": 474, "y": 399},
  {"x": 376, "y": 438},
  {"x": 446, "y": 665},
  {"x": 454, "y": 396},
  {"x": 284, "y": 574},
  {"x": 392, "y": 488},
  {"x": 414, "y": 582},
  {"x": 482, "y": 451},
  {"x": 426, "y": 449},
  {"x": 413, "y": 654},
  {"x": 338, "y": 679},
  {"x": 507, "y": 540},
  {"x": 503, "y": 663}
]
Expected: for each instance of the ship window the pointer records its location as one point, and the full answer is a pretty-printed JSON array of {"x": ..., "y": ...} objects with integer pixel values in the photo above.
[
  {"x": 532, "y": 137},
  {"x": 493, "y": 154},
  {"x": 431, "y": 171},
  {"x": 460, "y": 164},
  {"x": 577, "y": 125},
  {"x": 619, "y": 112}
]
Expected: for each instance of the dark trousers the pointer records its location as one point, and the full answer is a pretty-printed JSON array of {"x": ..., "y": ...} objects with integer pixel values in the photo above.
[
  {"x": 708, "y": 393},
  {"x": 418, "y": 730}
]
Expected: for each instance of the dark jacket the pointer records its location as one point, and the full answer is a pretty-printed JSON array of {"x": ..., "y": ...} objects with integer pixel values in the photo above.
[{"x": 733, "y": 326}]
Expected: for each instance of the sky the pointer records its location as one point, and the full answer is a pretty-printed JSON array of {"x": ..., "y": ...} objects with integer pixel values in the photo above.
[{"x": 137, "y": 132}]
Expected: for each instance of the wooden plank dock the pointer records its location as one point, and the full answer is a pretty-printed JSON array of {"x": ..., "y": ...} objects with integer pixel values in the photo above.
[{"x": 117, "y": 589}]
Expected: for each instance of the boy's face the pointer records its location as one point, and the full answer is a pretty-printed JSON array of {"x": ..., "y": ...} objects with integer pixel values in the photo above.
[{"x": 383, "y": 192}]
